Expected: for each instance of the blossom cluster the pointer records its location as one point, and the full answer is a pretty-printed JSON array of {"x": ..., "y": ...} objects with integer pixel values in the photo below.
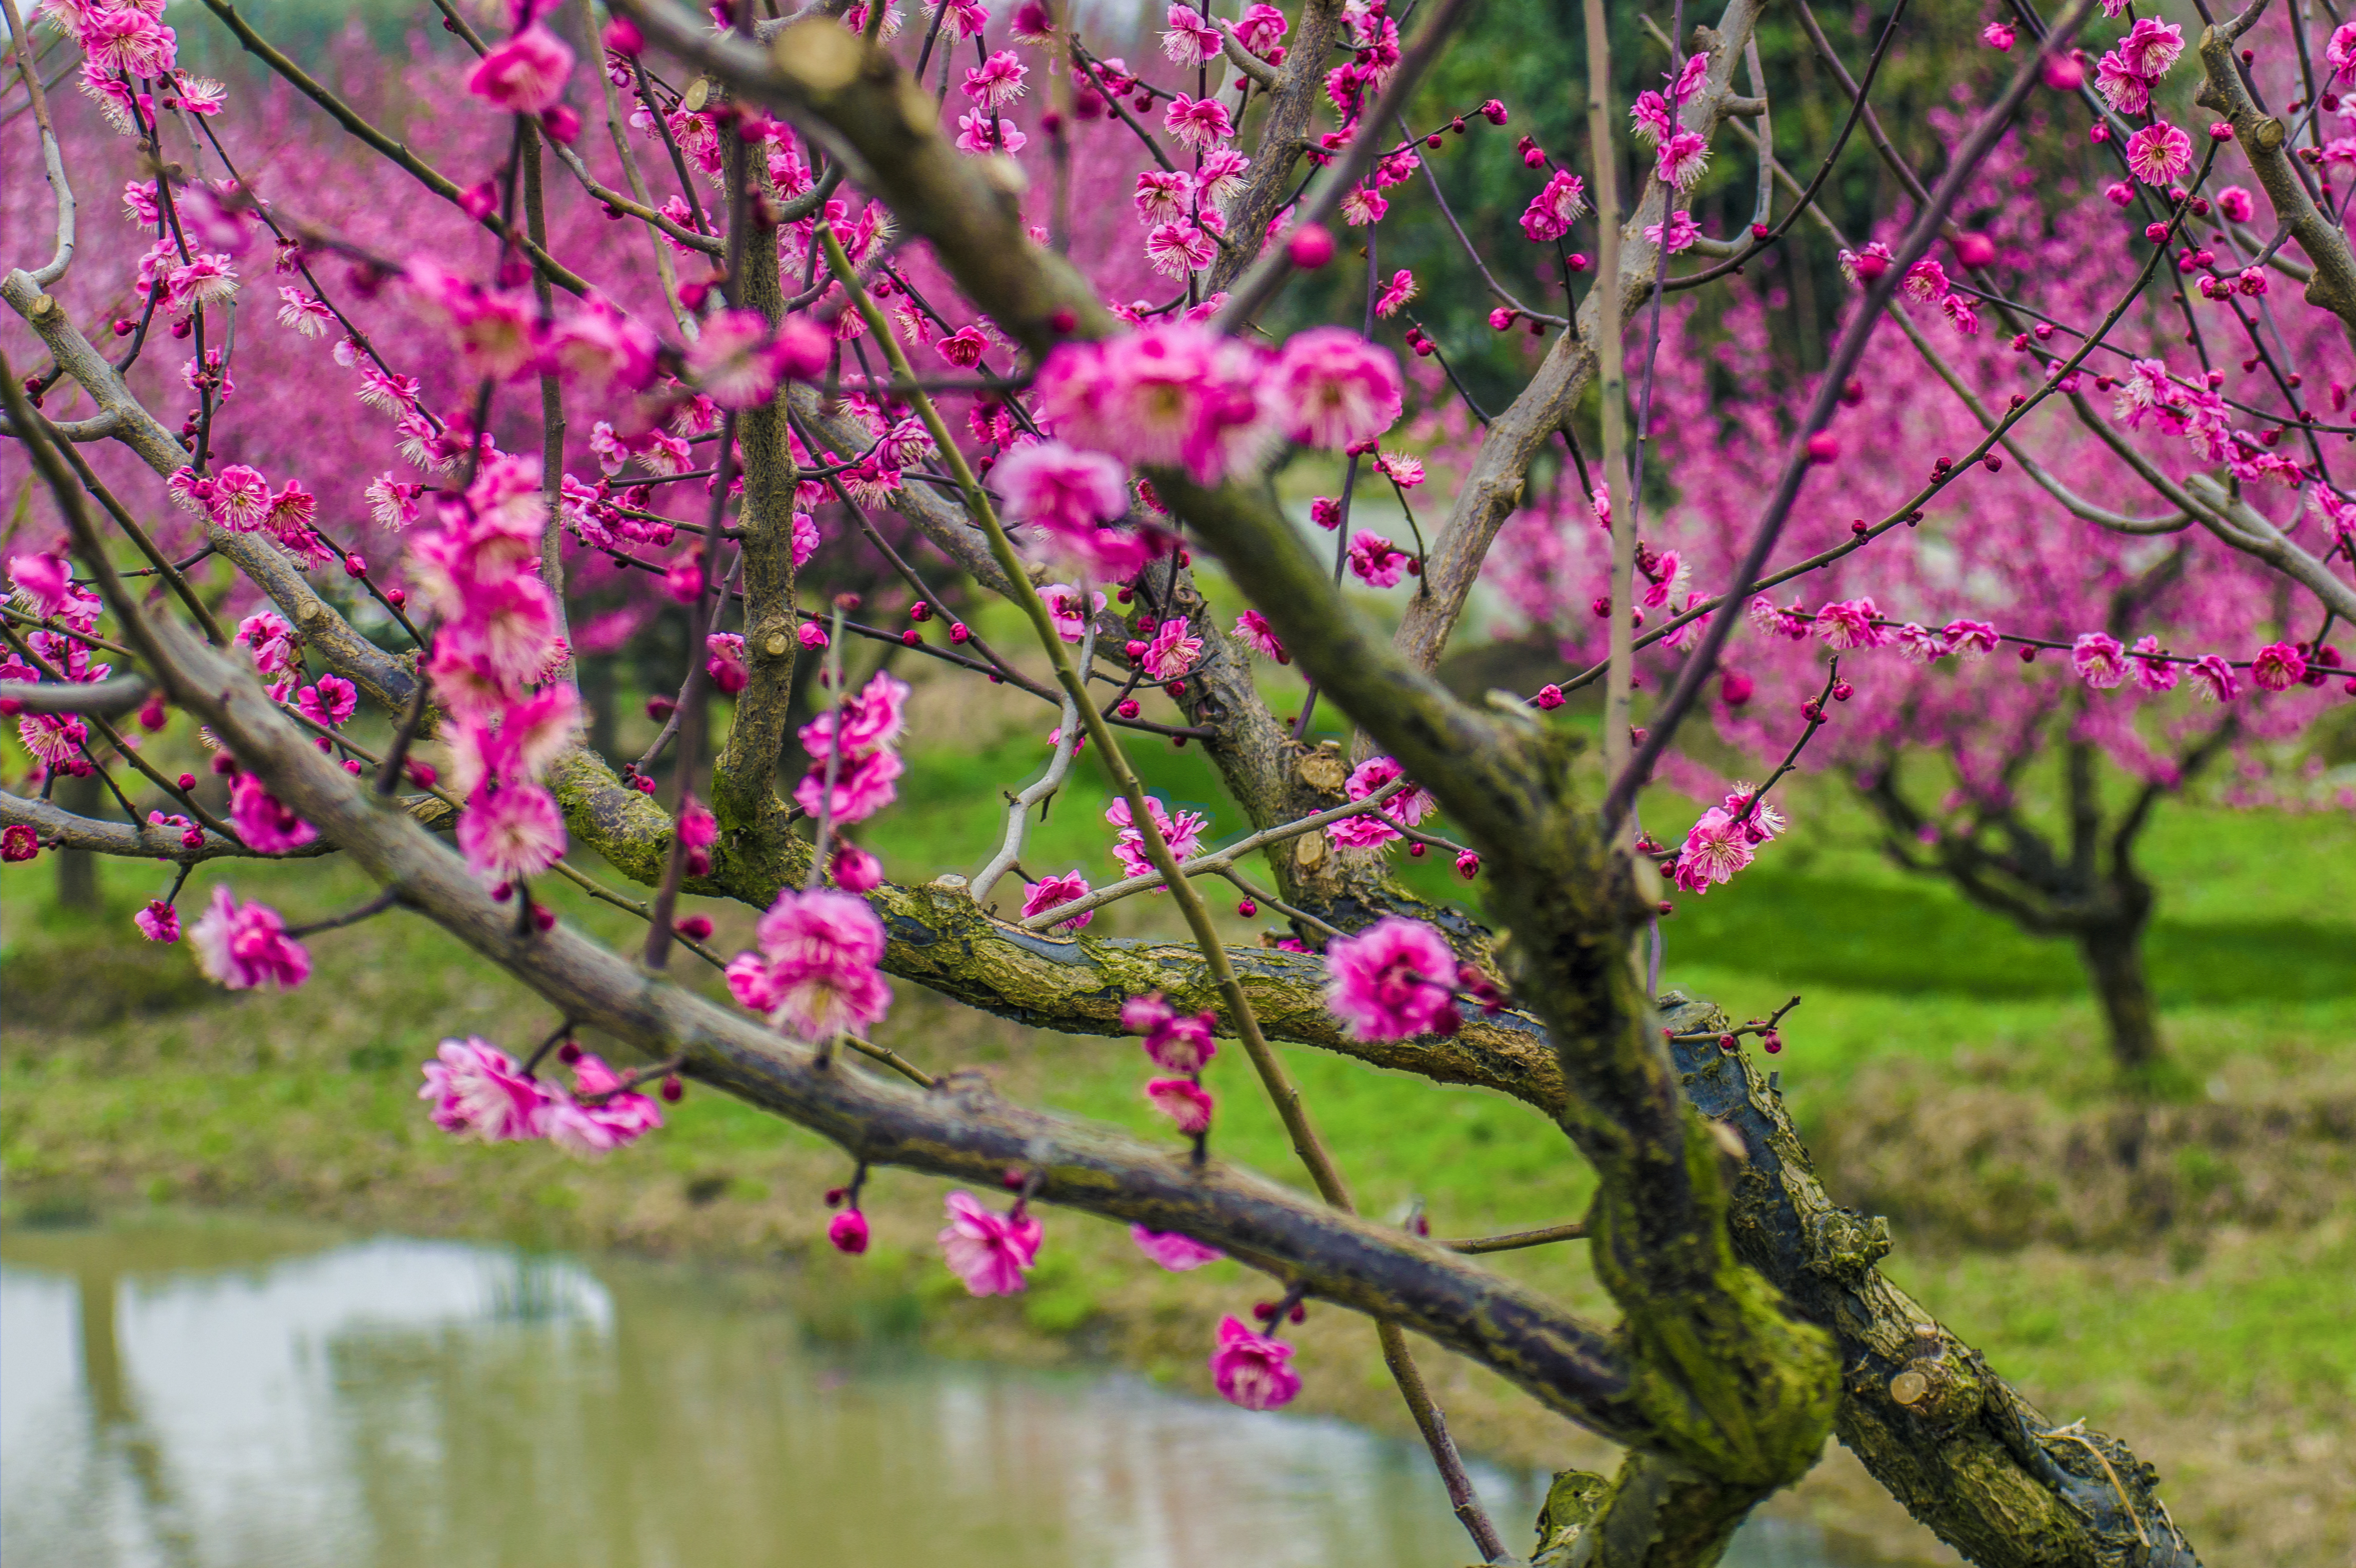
[
  {"x": 480, "y": 1092},
  {"x": 494, "y": 665}
]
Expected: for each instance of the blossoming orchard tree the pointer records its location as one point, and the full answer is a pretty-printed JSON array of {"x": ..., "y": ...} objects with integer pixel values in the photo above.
[{"x": 818, "y": 269}]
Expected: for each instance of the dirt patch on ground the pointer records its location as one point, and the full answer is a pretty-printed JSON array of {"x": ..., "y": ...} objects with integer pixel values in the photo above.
[{"x": 1993, "y": 1167}]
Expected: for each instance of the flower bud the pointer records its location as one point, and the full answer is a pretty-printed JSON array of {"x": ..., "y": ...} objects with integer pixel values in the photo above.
[{"x": 1310, "y": 247}]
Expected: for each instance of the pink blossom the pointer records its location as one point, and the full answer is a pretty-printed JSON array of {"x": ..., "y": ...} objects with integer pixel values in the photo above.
[
  {"x": 271, "y": 638},
  {"x": 1969, "y": 639},
  {"x": 821, "y": 949},
  {"x": 525, "y": 75},
  {"x": 963, "y": 348},
  {"x": 479, "y": 1092},
  {"x": 240, "y": 499},
  {"x": 1396, "y": 294},
  {"x": 19, "y": 844},
  {"x": 990, "y": 1252},
  {"x": 1714, "y": 851},
  {"x": 1182, "y": 833},
  {"x": 2153, "y": 672},
  {"x": 1336, "y": 388},
  {"x": 158, "y": 922},
  {"x": 1649, "y": 117},
  {"x": 1191, "y": 41},
  {"x": 1849, "y": 623},
  {"x": 1163, "y": 195},
  {"x": 265, "y": 822},
  {"x": 1200, "y": 124},
  {"x": 2277, "y": 667},
  {"x": 982, "y": 131},
  {"x": 1392, "y": 982},
  {"x": 875, "y": 716},
  {"x": 1065, "y": 609},
  {"x": 862, "y": 788},
  {"x": 2151, "y": 47},
  {"x": 1179, "y": 247},
  {"x": 1362, "y": 205},
  {"x": 1682, "y": 159},
  {"x": 2339, "y": 52},
  {"x": 1184, "y": 1100},
  {"x": 747, "y": 975},
  {"x": 46, "y": 579},
  {"x": 1174, "y": 652},
  {"x": 724, "y": 663},
  {"x": 2099, "y": 660},
  {"x": 1253, "y": 630},
  {"x": 1070, "y": 496},
  {"x": 1376, "y": 561},
  {"x": 731, "y": 359},
  {"x": 2215, "y": 679},
  {"x": 1261, "y": 30},
  {"x": 1252, "y": 1370},
  {"x": 511, "y": 831},
  {"x": 1764, "y": 822},
  {"x": 997, "y": 81},
  {"x": 854, "y": 870},
  {"x": 1177, "y": 1254},
  {"x": 2159, "y": 153},
  {"x": 1410, "y": 805},
  {"x": 1678, "y": 234},
  {"x": 1054, "y": 893},
  {"x": 330, "y": 703},
  {"x": 600, "y": 349},
  {"x": 1553, "y": 210},
  {"x": 126, "y": 38},
  {"x": 1926, "y": 281},
  {"x": 591, "y": 1130},
  {"x": 1220, "y": 175},
  {"x": 2124, "y": 89},
  {"x": 240, "y": 946},
  {"x": 1180, "y": 395},
  {"x": 2234, "y": 203},
  {"x": 1177, "y": 1042}
]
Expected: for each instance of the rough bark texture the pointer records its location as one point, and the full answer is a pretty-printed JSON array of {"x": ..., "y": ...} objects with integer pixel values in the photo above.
[
  {"x": 2114, "y": 960},
  {"x": 1960, "y": 1447}
]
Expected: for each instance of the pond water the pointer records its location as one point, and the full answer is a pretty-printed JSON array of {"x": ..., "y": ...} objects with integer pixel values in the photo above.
[{"x": 211, "y": 1395}]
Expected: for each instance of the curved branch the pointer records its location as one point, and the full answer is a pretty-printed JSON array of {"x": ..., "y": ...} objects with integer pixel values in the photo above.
[
  {"x": 959, "y": 1129},
  {"x": 144, "y": 840},
  {"x": 120, "y": 694},
  {"x": 53, "y": 163}
]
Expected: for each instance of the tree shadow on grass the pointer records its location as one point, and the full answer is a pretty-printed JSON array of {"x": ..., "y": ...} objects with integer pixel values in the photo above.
[{"x": 1904, "y": 939}]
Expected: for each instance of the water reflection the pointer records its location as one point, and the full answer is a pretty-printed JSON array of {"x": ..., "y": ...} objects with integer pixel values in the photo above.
[{"x": 201, "y": 1396}]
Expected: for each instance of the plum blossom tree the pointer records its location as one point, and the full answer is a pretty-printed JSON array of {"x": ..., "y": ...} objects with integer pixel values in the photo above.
[
  {"x": 792, "y": 288},
  {"x": 2018, "y": 693}
]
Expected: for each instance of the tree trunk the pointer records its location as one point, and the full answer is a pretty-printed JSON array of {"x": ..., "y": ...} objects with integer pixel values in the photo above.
[
  {"x": 77, "y": 868},
  {"x": 2113, "y": 959},
  {"x": 596, "y": 676}
]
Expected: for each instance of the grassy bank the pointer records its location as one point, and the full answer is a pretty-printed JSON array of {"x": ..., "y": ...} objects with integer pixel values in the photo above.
[{"x": 2180, "y": 1270}]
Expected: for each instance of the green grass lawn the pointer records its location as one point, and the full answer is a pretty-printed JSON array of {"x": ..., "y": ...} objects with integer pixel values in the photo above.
[{"x": 1948, "y": 1069}]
